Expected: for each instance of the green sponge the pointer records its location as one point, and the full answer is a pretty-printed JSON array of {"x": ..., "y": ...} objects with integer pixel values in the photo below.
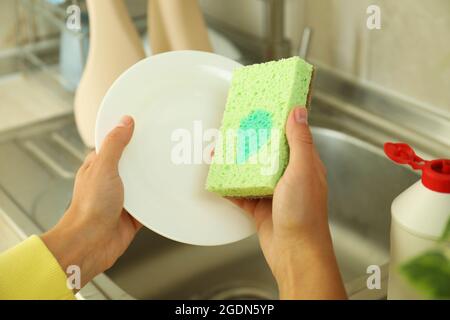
[{"x": 251, "y": 152}]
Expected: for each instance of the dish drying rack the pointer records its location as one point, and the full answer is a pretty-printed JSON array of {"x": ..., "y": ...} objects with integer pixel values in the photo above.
[
  {"x": 37, "y": 53},
  {"x": 272, "y": 45}
]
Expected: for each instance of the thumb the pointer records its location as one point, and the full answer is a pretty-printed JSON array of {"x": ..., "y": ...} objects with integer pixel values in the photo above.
[
  {"x": 115, "y": 142},
  {"x": 298, "y": 134}
]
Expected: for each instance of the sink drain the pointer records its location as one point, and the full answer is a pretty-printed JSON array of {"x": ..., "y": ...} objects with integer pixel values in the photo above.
[{"x": 241, "y": 293}]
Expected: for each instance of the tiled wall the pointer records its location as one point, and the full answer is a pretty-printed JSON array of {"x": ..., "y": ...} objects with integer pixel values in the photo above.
[{"x": 410, "y": 54}]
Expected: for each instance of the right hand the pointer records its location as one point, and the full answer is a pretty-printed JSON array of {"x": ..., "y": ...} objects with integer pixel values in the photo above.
[{"x": 293, "y": 225}]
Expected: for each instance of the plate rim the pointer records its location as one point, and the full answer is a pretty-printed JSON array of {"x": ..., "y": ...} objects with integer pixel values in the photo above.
[{"x": 103, "y": 106}]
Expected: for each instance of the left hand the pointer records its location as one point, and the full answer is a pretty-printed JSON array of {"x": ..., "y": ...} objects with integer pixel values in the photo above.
[{"x": 96, "y": 230}]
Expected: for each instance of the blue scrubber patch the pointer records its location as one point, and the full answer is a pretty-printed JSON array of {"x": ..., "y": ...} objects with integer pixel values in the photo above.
[{"x": 254, "y": 132}]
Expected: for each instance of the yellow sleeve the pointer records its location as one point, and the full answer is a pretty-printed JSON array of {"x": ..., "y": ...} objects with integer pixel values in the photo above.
[{"x": 30, "y": 271}]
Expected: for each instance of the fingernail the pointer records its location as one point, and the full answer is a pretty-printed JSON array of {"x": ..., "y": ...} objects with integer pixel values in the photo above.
[
  {"x": 125, "y": 121},
  {"x": 301, "y": 115}
]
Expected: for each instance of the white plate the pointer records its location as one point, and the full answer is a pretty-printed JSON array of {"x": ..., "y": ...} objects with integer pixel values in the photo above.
[{"x": 163, "y": 93}]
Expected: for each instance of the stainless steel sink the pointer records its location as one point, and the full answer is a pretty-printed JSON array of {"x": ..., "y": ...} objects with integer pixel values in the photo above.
[
  {"x": 362, "y": 185},
  {"x": 37, "y": 166}
]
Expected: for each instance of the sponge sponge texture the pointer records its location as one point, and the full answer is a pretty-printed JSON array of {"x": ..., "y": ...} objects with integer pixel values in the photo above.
[{"x": 251, "y": 152}]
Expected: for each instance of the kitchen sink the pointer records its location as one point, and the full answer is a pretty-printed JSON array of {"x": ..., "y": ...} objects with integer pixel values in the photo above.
[
  {"x": 362, "y": 185},
  {"x": 38, "y": 165}
]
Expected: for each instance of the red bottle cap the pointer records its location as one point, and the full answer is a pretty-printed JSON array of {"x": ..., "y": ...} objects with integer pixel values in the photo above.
[{"x": 435, "y": 173}]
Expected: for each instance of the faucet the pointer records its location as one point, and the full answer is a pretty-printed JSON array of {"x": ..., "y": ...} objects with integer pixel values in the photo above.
[
  {"x": 272, "y": 45},
  {"x": 277, "y": 45}
]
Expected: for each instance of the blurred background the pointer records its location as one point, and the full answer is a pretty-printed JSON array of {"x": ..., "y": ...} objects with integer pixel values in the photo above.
[
  {"x": 371, "y": 86},
  {"x": 410, "y": 54}
]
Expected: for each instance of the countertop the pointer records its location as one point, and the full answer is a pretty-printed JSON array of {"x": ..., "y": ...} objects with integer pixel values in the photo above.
[
  {"x": 27, "y": 98},
  {"x": 9, "y": 235},
  {"x": 31, "y": 97}
]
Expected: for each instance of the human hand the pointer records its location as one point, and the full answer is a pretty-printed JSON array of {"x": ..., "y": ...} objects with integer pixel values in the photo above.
[
  {"x": 293, "y": 226},
  {"x": 96, "y": 230}
]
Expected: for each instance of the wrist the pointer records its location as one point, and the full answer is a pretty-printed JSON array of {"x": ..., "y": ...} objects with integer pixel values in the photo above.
[
  {"x": 70, "y": 248},
  {"x": 295, "y": 261},
  {"x": 306, "y": 268}
]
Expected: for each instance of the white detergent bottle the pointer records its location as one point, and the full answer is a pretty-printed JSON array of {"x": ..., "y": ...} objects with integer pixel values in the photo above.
[{"x": 420, "y": 230}]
